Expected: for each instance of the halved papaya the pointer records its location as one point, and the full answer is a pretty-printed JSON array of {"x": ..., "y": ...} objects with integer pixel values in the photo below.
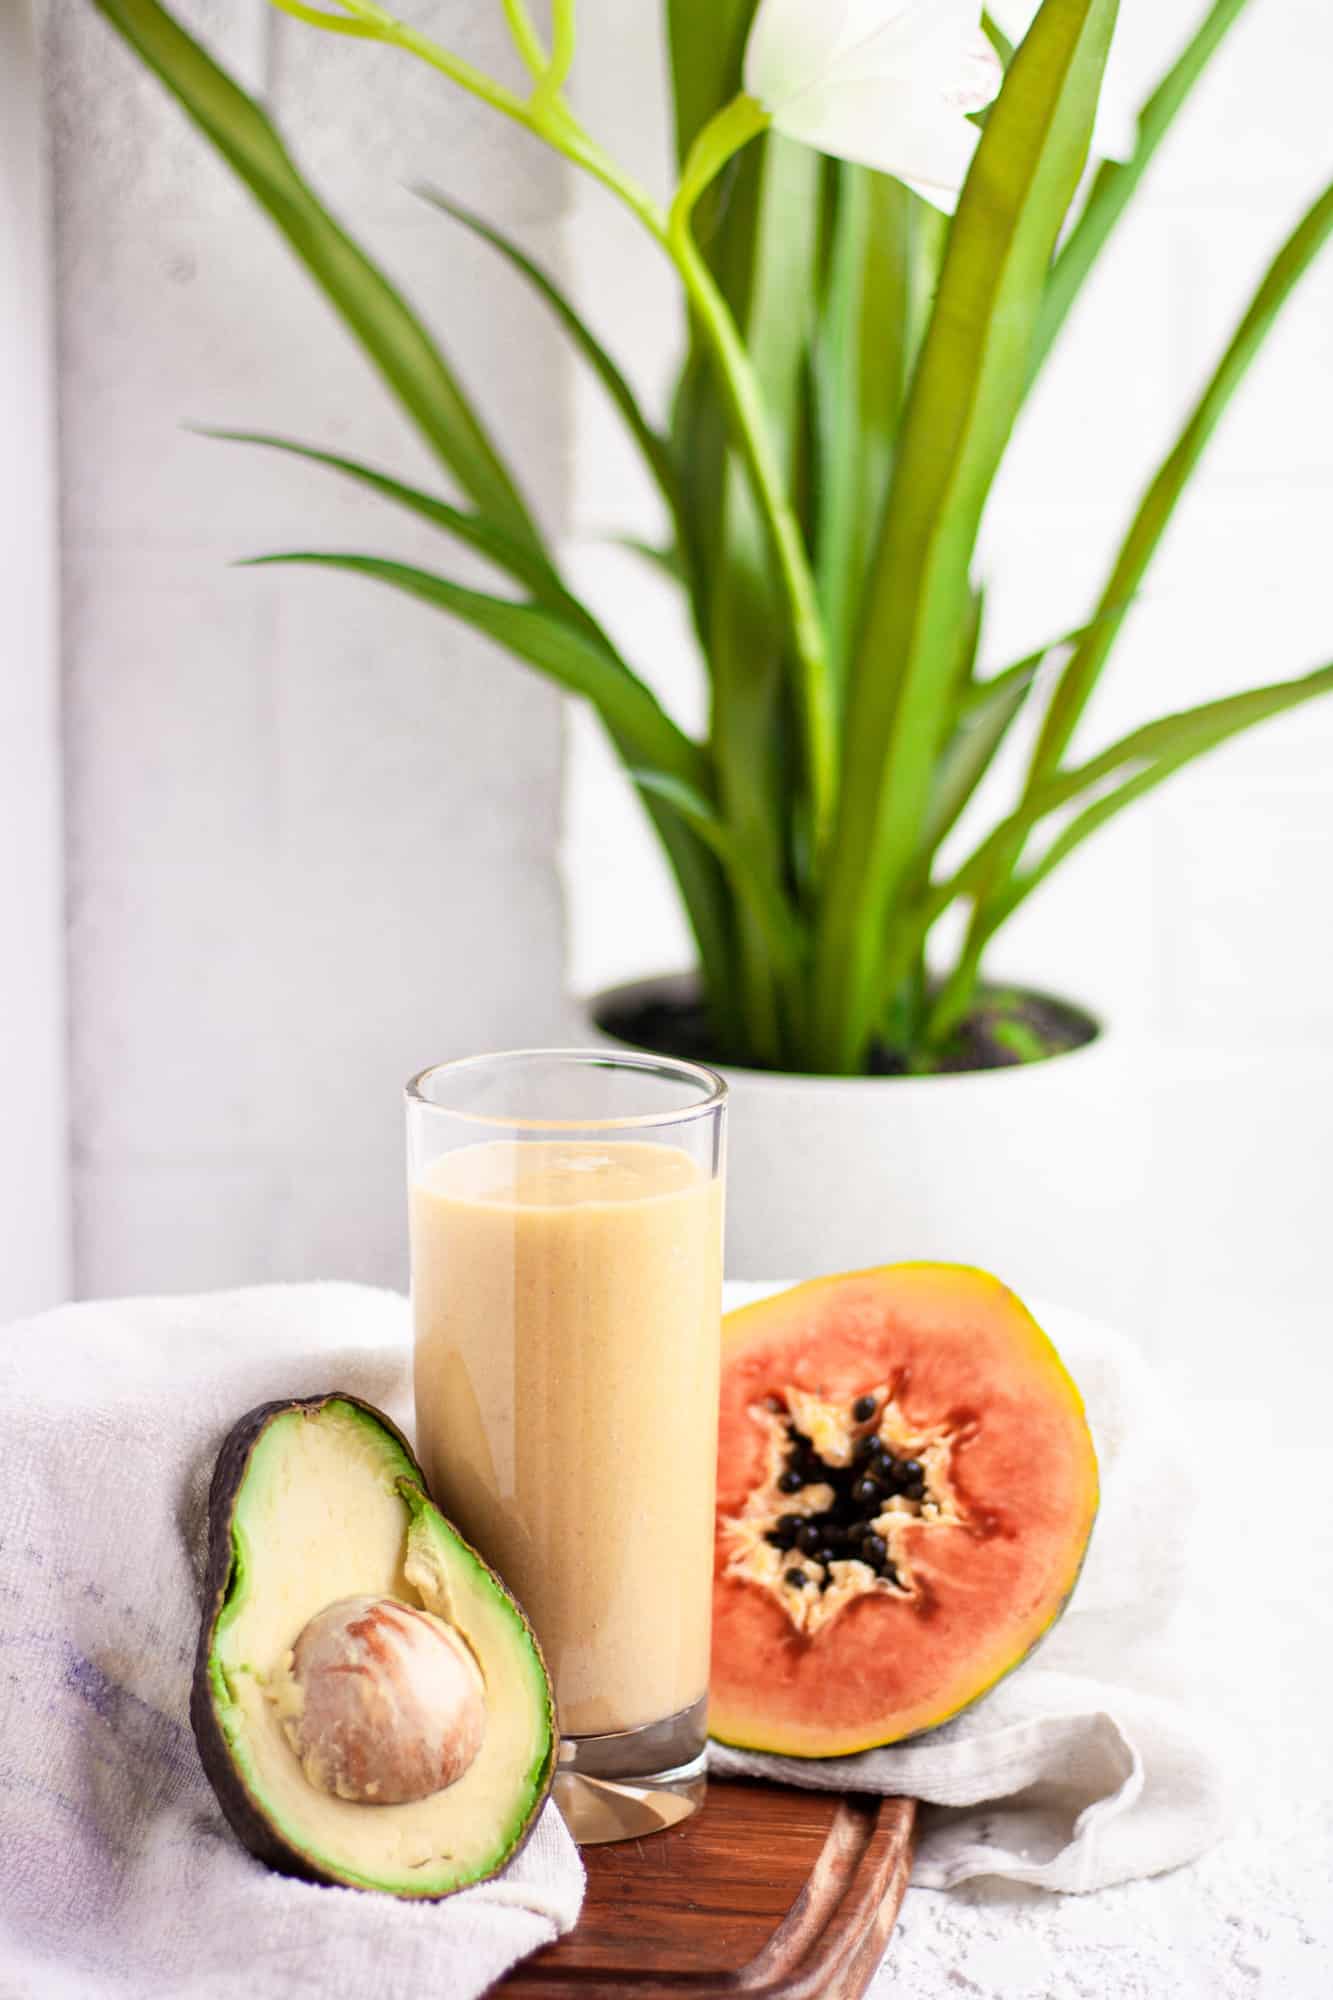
[{"x": 906, "y": 1487}]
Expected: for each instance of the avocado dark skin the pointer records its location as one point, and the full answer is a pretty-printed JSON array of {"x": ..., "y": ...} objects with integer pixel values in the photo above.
[
  {"x": 245, "y": 1813},
  {"x": 246, "y": 1822}
]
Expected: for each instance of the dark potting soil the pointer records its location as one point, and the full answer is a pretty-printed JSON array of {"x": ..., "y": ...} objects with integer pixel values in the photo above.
[{"x": 1006, "y": 1028}]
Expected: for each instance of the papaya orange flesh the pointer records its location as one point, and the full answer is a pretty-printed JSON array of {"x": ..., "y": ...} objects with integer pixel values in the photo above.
[{"x": 986, "y": 1496}]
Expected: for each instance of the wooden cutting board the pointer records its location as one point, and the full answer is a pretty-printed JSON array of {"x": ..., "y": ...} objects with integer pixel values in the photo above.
[{"x": 770, "y": 1892}]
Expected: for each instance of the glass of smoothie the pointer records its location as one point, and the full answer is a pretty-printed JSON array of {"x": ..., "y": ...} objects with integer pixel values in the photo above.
[{"x": 566, "y": 1216}]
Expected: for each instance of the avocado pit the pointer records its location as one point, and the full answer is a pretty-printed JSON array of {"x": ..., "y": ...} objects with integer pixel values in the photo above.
[{"x": 382, "y": 1702}]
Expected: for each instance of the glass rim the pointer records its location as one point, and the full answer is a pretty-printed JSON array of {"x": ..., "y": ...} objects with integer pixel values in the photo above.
[{"x": 714, "y": 1088}]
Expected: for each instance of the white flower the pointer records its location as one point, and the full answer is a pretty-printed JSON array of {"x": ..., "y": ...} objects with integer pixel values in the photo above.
[
  {"x": 1116, "y": 131},
  {"x": 885, "y": 82}
]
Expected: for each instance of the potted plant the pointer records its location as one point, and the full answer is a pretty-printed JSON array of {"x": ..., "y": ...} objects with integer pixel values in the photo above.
[{"x": 880, "y": 225}]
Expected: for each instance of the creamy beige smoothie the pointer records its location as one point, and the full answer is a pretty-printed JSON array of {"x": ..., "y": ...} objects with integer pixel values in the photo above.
[{"x": 567, "y": 1300}]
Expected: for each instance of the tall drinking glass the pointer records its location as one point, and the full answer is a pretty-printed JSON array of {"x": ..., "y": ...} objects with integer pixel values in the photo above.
[{"x": 566, "y": 1211}]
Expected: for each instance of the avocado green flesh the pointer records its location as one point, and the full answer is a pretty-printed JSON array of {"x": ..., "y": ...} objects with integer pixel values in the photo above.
[{"x": 330, "y": 1507}]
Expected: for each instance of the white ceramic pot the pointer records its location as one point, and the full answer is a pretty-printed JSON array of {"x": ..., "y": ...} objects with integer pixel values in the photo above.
[{"x": 1034, "y": 1172}]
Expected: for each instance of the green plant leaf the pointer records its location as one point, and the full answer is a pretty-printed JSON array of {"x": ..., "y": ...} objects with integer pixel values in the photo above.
[
  {"x": 966, "y": 688},
  {"x": 747, "y": 628},
  {"x": 772, "y": 913},
  {"x": 1162, "y": 748},
  {"x": 549, "y": 642},
  {"x": 1080, "y": 676},
  {"x": 699, "y": 446},
  {"x": 333, "y": 24},
  {"x": 699, "y": 878},
  {"x": 710, "y": 908},
  {"x": 664, "y": 560},
  {"x": 1127, "y": 769},
  {"x": 967, "y": 389},
  {"x": 377, "y": 314},
  {"x": 1116, "y": 180},
  {"x": 417, "y": 374},
  {"x": 862, "y": 361},
  {"x": 1172, "y": 740},
  {"x": 985, "y": 712},
  {"x": 706, "y": 41},
  {"x": 982, "y": 727},
  {"x": 519, "y": 559},
  {"x": 705, "y": 45},
  {"x": 736, "y": 248},
  {"x": 998, "y": 40},
  {"x": 654, "y": 447}
]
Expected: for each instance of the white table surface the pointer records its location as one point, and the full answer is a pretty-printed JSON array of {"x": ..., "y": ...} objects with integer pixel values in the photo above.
[{"x": 1253, "y": 1919}]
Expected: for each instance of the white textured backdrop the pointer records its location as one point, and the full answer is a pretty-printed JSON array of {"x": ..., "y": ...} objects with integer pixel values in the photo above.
[
  {"x": 1201, "y": 921},
  {"x": 311, "y": 827},
  {"x": 34, "y": 1213}
]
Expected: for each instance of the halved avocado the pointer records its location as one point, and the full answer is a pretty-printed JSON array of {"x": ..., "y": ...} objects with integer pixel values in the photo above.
[{"x": 317, "y": 1501}]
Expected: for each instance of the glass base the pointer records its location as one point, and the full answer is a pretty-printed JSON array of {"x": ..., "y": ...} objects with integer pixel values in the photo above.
[{"x": 635, "y": 1782}]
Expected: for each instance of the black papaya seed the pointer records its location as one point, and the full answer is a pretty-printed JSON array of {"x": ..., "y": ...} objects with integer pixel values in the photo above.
[
  {"x": 808, "y": 1537},
  {"x": 867, "y": 1492},
  {"x": 790, "y": 1481},
  {"x": 863, "y": 1409},
  {"x": 797, "y": 1578},
  {"x": 874, "y": 1548}
]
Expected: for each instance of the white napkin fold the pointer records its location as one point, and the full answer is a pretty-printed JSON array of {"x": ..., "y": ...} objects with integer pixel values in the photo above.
[
  {"x": 119, "y": 1879},
  {"x": 1090, "y": 1764}
]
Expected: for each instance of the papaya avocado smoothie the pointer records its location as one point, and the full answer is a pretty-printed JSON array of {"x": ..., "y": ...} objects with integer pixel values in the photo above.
[{"x": 566, "y": 1283}]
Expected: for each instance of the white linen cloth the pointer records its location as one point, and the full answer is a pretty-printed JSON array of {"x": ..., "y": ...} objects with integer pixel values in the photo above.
[
  {"x": 119, "y": 1879},
  {"x": 1090, "y": 1764}
]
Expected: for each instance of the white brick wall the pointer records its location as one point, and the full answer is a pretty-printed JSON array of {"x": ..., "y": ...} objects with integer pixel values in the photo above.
[
  {"x": 310, "y": 825},
  {"x": 1202, "y": 920}
]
